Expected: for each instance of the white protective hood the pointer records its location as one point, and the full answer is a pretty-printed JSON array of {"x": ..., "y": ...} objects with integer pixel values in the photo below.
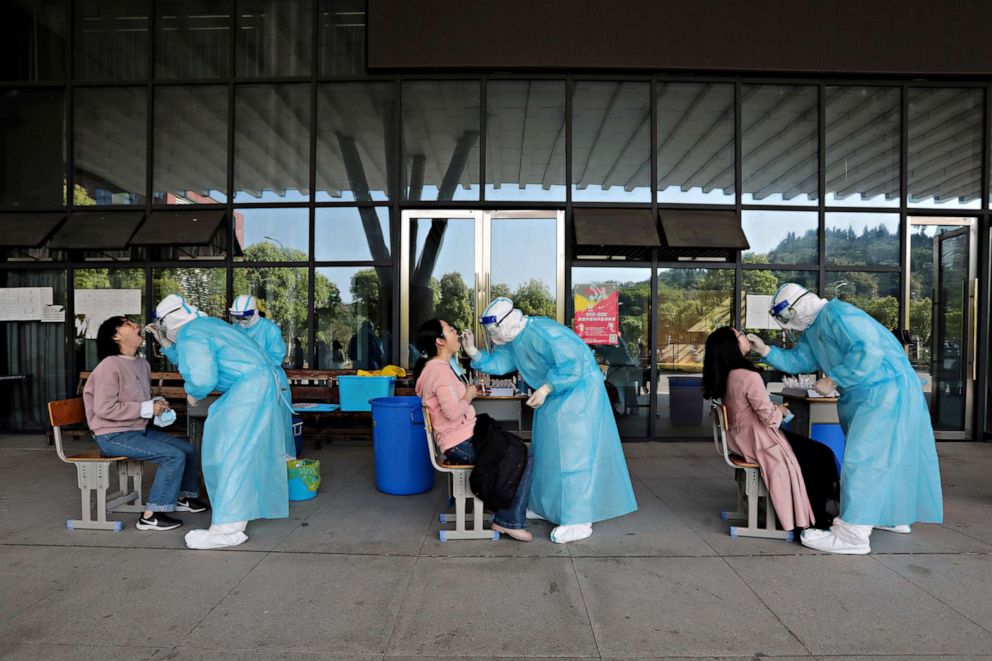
[
  {"x": 509, "y": 321},
  {"x": 805, "y": 303},
  {"x": 174, "y": 312}
]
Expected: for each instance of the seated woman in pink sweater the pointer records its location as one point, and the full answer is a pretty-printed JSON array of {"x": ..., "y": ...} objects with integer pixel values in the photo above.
[
  {"x": 800, "y": 473},
  {"x": 119, "y": 406},
  {"x": 453, "y": 419}
]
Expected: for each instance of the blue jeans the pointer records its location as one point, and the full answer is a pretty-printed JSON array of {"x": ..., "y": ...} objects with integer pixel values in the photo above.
[
  {"x": 176, "y": 459},
  {"x": 515, "y": 516}
]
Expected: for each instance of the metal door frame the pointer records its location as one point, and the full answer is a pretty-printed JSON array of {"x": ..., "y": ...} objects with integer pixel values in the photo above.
[
  {"x": 483, "y": 256},
  {"x": 971, "y": 223}
]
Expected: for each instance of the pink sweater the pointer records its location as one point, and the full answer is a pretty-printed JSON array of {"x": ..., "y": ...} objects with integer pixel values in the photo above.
[
  {"x": 452, "y": 417},
  {"x": 114, "y": 393}
]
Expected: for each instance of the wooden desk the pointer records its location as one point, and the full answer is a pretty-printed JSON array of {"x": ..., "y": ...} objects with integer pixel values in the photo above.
[
  {"x": 810, "y": 411},
  {"x": 505, "y": 410}
]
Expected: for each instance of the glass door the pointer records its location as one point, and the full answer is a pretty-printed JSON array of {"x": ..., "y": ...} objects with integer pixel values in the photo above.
[
  {"x": 942, "y": 319},
  {"x": 454, "y": 262}
]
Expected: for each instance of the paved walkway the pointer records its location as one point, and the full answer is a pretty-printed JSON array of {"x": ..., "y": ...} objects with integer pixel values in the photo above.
[{"x": 358, "y": 574}]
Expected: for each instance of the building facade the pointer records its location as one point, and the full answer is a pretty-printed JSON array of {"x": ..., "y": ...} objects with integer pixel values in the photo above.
[{"x": 362, "y": 166}]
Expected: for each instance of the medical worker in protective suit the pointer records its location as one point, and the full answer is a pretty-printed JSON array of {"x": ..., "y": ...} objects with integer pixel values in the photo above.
[
  {"x": 242, "y": 454},
  {"x": 580, "y": 474},
  {"x": 244, "y": 316},
  {"x": 889, "y": 477}
]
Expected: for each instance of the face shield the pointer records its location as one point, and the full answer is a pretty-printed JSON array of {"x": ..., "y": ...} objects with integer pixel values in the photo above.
[
  {"x": 784, "y": 312},
  {"x": 501, "y": 321},
  {"x": 243, "y": 318}
]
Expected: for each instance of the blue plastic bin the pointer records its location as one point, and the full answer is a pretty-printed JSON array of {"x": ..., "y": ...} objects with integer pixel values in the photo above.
[
  {"x": 303, "y": 478},
  {"x": 832, "y": 436},
  {"x": 685, "y": 400},
  {"x": 356, "y": 391},
  {"x": 399, "y": 444},
  {"x": 298, "y": 434}
]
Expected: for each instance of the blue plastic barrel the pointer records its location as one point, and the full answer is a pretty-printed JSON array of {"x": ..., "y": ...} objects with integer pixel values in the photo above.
[
  {"x": 399, "y": 444},
  {"x": 832, "y": 436}
]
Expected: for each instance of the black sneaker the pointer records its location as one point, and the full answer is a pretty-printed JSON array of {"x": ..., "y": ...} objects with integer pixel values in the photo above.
[
  {"x": 194, "y": 505},
  {"x": 158, "y": 521}
]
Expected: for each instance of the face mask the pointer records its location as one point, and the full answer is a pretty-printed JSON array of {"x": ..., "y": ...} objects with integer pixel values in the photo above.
[
  {"x": 456, "y": 367},
  {"x": 244, "y": 322},
  {"x": 744, "y": 344},
  {"x": 165, "y": 419}
]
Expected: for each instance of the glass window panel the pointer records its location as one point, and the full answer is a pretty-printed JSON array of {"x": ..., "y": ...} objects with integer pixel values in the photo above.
[
  {"x": 272, "y": 235},
  {"x": 442, "y": 278},
  {"x": 35, "y": 351},
  {"x": 353, "y": 307},
  {"x": 190, "y": 145},
  {"x": 32, "y": 132},
  {"x": 627, "y": 363},
  {"x": 525, "y": 141},
  {"x": 342, "y": 38},
  {"x": 611, "y": 142},
  {"x": 88, "y": 322},
  {"x": 350, "y": 234},
  {"x": 32, "y": 40},
  {"x": 192, "y": 39},
  {"x": 862, "y": 239},
  {"x": 524, "y": 264},
  {"x": 765, "y": 283},
  {"x": 206, "y": 288},
  {"x": 272, "y": 143},
  {"x": 696, "y": 143},
  {"x": 354, "y": 141},
  {"x": 875, "y": 293},
  {"x": 780, "y": 237},
  {"x": 779, "y": 144},
  {"x": 282, "y": 298},
  {"x": 110, "y": 131},
  {"x": 274, "y": 38},
  {"x": 692, "y": 303},
  {"x": 110, "y": 39},
  {"x": 945, "y": 148},
  {"x": 441, "y": 140},
  {"x": 862, "y": 145}
]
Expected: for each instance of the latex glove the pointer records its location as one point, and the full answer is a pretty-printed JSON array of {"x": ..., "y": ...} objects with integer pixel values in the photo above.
[
  {"x": 192, "y": 401},
  {"x": 758, "y": 345},
  {"x": 468, "y": 343},
  {"x": 541, "y": 394},
  {"x": 158, "y": 335},
  {"x": 825, "y": 386}
]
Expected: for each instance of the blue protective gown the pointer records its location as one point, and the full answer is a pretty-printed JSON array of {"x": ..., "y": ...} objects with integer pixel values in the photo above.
[
  {"x": 580, "y": 473},
  {"x": 243, "y": 453},
  {"x": 890, "y": 474},
  {"x": 269, "y": 336}
]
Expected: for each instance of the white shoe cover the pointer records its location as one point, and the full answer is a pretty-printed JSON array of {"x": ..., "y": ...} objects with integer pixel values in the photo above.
[
  {"x": 903, "y": 529},
  {"x": 534, "y": 516},
  {"x": 217, "y": 536},
  {"x": 844, "y": 538},
  {"x": 572, "y": 533}
]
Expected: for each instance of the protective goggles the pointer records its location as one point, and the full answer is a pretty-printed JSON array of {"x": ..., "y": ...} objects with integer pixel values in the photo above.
[
  {"x": 493, "y": 320},
  {"x": 784, "y": 311},
  {"x": 160, "y": 321},
  {"x": 242, "y": 314}
]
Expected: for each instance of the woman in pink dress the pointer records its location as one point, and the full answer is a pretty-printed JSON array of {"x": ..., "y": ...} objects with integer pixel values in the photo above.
[{"x": 753, "y": 433}]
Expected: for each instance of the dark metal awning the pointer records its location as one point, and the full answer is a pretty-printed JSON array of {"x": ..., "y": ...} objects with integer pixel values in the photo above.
[
  {"x": 188, "y": 228},
  {"x": 609, "y": 232},
  {"x": 97, "y": 231},
  {"x": 704, "y": 235},
  {"x": 27, "y": 230}
]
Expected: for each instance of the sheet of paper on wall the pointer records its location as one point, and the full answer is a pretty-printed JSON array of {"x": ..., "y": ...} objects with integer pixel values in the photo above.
[
  {"x": 97, "y": 305},
  {"x": 52, "y": 314},
  {"x": 757, "y": 317},
  {"x": 24, "y": 303}
]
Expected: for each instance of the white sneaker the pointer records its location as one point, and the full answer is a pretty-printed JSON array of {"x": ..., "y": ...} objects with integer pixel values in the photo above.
[
  {"x": 571, "y": 533},
  {"x": 903, "y": 529},
  {"x": 534, "y": 516}
]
